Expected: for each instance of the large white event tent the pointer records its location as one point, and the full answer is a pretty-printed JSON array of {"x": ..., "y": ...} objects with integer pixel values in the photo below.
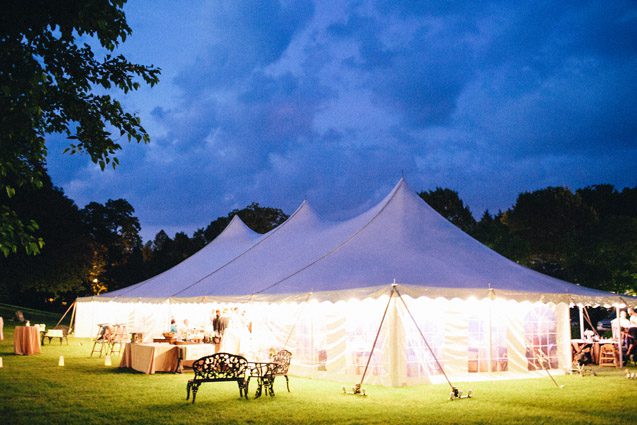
[{"x": 319, "y": 288}]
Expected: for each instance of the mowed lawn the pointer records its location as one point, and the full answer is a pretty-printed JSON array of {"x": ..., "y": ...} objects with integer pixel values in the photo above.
[{"x": 35, "y": 390}]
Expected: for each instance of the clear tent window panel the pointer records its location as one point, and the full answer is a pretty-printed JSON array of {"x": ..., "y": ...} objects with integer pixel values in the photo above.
[
  {"x": 362, "y": 328},
  {"x": 430, "y": 319},
  {"x": 540, "y": 331},
  {"x": 487, "y": 342}
]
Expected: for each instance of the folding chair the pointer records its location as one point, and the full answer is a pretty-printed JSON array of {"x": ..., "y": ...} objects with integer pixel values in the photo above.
[
  {"x": 118, "y": 338},
  {"x": 103, "y": 338}
]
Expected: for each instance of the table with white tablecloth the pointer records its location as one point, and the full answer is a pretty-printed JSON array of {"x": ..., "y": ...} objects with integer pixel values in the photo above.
[{"x": 190, "y": 352}]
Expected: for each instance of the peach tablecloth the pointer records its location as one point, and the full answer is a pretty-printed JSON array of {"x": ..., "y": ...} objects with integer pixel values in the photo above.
[
  {"x": 26, "y": 340},
  {"x": 150, "y": 358}
]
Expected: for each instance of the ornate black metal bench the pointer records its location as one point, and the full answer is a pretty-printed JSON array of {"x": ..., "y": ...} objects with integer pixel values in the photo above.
[
  {"x": 282, "y": 358},
  {"x": 219, "y": 367}
]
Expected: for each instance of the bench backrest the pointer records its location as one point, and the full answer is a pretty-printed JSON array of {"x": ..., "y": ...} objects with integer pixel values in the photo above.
[
  {"x": 220, "y": 366},
  {"x": 283, "y": 358}
]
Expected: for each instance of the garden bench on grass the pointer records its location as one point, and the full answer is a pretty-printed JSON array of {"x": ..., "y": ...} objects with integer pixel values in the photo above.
[
  {"x": 219, "y": 367},
  {"x": 60, "y": 331}
]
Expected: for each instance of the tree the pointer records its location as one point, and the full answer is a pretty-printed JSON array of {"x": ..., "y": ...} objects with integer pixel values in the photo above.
[
  {"x": 447, "y": 203},
  {"x": 66, "y": 259},
  {"x": 555, "y": 223},
  {"x": 258, "y": 218},
  {"x": 114, "y": 230},
  {"x": 51, "y": 81},
  {"x": 607, "y": 257},
  {"x": 494, "y": 233}
]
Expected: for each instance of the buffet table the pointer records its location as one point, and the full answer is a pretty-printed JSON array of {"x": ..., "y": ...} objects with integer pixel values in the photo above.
[
  {"x": 162, "y": 357},
  {"x": 26, "y": 340},
  {"x": 150, "y": 358},
  {"x": 188, "y": 353}
]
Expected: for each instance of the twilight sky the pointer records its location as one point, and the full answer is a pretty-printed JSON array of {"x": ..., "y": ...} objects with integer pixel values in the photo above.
[{"x": 332, "y": 101}]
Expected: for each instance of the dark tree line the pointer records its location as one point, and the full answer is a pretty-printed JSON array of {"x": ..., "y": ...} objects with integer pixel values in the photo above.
[
  {"x": 98, "y": 248},
  {"x": 588, "y": 236}
]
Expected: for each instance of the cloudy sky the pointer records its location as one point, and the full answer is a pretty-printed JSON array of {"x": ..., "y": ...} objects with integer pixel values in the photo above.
[{"x": 332, "y": 101}]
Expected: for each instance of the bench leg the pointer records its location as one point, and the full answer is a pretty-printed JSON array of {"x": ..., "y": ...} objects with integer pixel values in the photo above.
[
  {"x": 195, "y": 388},
  {"x": 287, "y": 382},
  {"x": 243, "y": 388},
  {"x": 188, "y": 385}
]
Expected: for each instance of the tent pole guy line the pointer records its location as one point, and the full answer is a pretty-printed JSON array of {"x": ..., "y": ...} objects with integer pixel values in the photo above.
[
  {"x": 394, "y": 288},
  {"x": 380, "y": 327}
]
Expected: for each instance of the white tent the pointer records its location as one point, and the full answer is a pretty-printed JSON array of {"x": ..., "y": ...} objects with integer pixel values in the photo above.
[{"x": 319, "y": 288}]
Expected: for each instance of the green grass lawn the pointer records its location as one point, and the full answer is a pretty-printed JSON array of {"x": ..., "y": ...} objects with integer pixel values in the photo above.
[{"x": 35, "y": 390}]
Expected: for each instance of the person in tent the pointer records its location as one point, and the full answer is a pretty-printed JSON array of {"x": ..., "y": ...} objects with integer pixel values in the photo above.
[
  {"x": 173, "y": 326},
  {"x": 184, "y": 330},
  {"x": 231, "y": 341},
  {"x": 632, "y": 335},
  {"x": 219, "y": 325}
]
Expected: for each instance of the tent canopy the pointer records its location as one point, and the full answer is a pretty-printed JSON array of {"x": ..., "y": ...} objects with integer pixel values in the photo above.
[{"x": 401, "y": 239}]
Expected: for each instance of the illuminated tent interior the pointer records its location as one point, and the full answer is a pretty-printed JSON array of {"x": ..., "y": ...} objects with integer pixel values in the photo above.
[{"x": 319, "y": 288}]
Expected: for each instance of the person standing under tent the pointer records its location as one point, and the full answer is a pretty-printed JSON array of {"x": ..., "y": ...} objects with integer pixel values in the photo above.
[
  {"x": 632, "y": 335},
  {"x": 219, "y": 325},
  {"x": 231, "y": 341},
  {"x": 184, "y": 330}
]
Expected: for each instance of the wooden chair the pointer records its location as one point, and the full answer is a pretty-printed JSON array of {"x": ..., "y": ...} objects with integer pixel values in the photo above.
[
  {"x": 102, "y": 339},
  {"x": 118, "y": 339},
  {"x": 608, "y": 356},
  {"x": 282, "y": 358}
]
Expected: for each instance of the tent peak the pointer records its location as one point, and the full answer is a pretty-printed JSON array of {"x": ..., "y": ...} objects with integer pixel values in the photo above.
[{"x": 237, "y": 227}]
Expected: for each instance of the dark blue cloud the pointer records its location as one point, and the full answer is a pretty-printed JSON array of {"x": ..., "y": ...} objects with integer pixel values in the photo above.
[
  {"x": 333, "y": 102},
  {"x": 245, "y": 37}
]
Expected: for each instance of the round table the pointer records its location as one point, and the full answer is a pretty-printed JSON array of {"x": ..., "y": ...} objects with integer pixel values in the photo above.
[{"x": 26, "y": 340}]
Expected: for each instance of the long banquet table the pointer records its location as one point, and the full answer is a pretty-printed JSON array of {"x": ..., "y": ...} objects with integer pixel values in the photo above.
[{"x": 161, "y": 357}]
